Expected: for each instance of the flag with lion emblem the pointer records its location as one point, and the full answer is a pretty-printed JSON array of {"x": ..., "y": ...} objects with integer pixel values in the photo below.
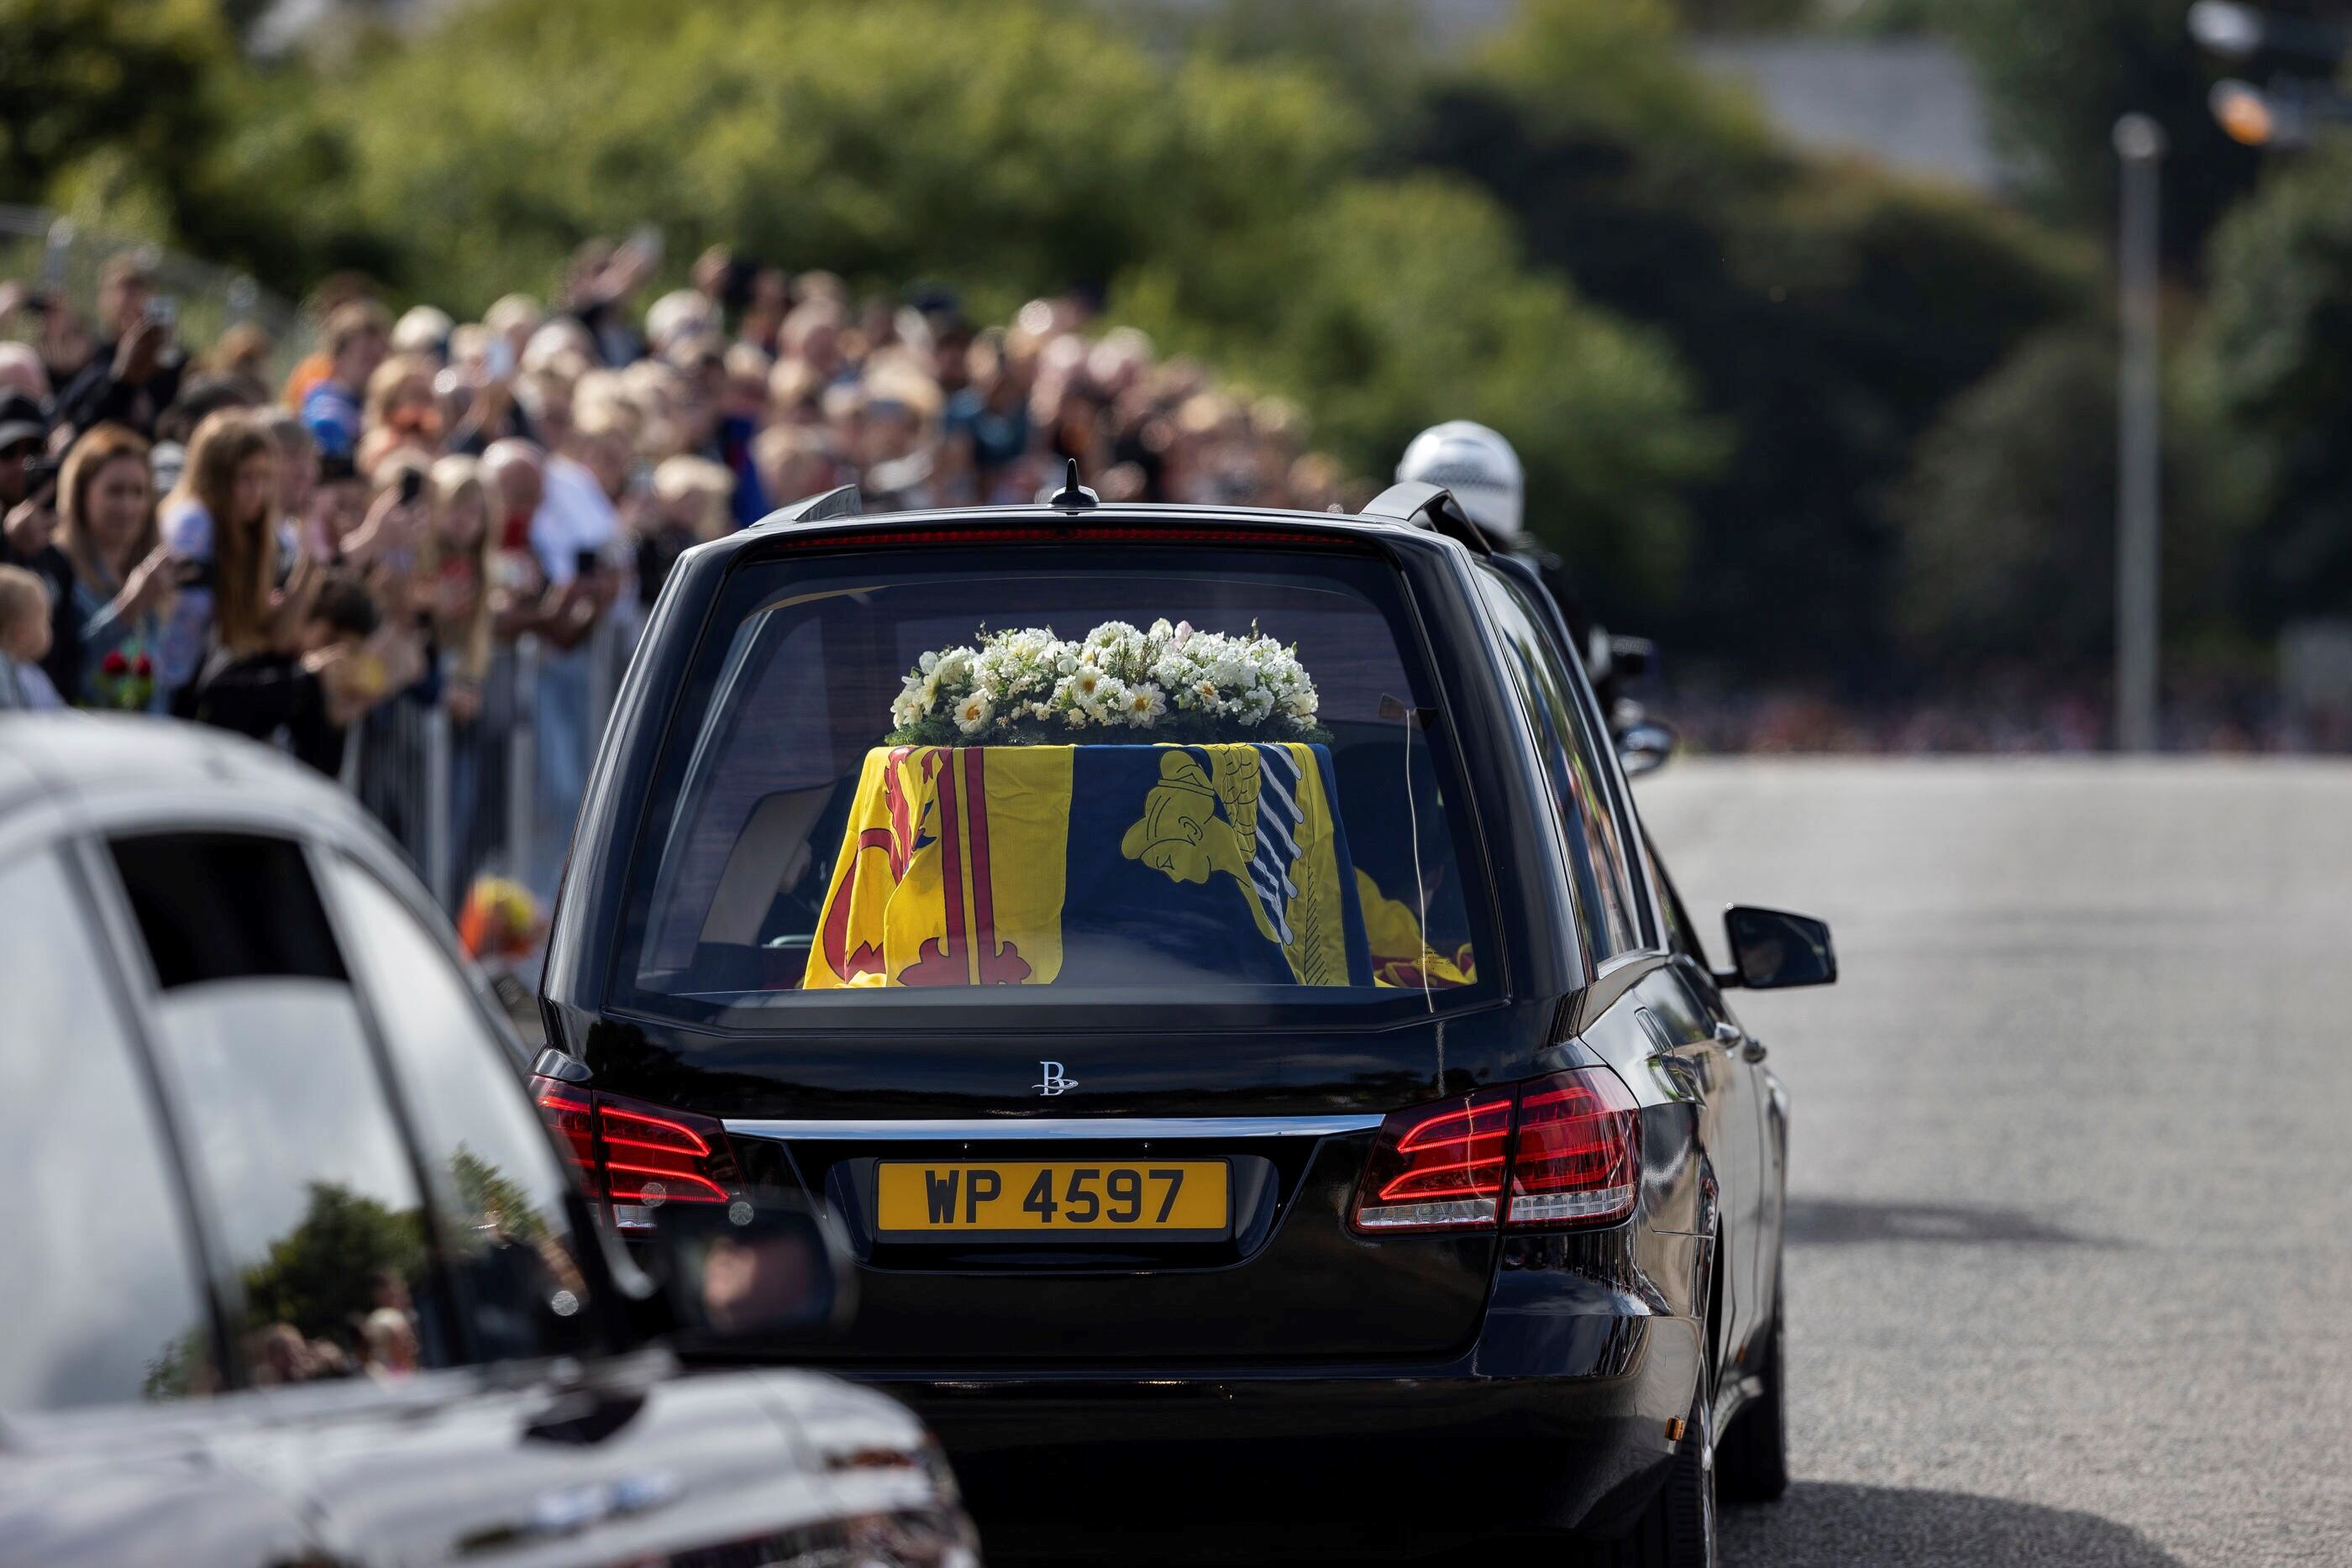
[{"x": 1094, "y": 865}]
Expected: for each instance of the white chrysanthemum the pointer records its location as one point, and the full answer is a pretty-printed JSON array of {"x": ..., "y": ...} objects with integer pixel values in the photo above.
[
  {"x": 973, "y": 714},
  {"x": 1145, "y": 704}
]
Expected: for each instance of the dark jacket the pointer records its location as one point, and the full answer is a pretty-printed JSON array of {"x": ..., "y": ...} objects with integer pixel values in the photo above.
[
  {"x": 62, "y": 664},
  {"x": 94, "y": 396},
  {"x": 261, "y": 694}
]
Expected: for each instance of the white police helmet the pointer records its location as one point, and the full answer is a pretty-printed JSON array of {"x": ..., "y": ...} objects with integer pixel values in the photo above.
[{"x": 1477, "y": 465}]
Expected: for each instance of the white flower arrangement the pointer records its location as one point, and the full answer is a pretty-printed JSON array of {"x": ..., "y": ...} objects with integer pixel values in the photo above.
[{"x": 1171, "y": 681}]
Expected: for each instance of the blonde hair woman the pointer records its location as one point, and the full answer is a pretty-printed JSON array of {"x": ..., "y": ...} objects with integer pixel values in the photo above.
[{"x": 458, "y": 544}]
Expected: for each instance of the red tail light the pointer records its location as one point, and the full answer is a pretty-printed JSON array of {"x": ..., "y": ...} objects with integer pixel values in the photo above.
[
  {"x": 1563, "y": 1150},
  {"x": 1438, "y": 1166},
  {"x": 636, "y": 1157},
  {"x": 1577, "y": 1159}
]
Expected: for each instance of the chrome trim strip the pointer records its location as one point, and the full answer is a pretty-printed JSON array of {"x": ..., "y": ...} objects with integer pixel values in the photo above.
[{"x": 1043, "y": 1128}]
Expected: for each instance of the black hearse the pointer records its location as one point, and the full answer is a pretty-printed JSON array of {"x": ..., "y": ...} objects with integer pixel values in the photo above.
[{"x": 1207, "y": 962}]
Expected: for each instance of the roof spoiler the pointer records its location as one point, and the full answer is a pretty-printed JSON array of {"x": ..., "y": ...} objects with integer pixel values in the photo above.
[
  {"x": 1430, "y": 507},
  {"x": 841, "y": 503}
]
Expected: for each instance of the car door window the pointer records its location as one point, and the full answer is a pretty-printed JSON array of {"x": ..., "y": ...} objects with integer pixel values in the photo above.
[
  {"x": 1602, "y": 875},
  {"x": 108, "y": 1308},
  {"x": 266, "y": 1059},
  {"x": 497, "y": 1187},
  {"x": 1682, "y": 937}
]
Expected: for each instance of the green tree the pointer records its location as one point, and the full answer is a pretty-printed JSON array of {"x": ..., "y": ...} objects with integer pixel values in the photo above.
[
  {"x": 1828, "y": 313},
  {"x": 1395, "y": 305},
  {"x": 483, "y": 1201},
  {"x": 1013, "y": 147},
  {"x": 321, "y": 1274},
  {"x": 109, "y": 101},
  {"x": 2270, "y": 366}
]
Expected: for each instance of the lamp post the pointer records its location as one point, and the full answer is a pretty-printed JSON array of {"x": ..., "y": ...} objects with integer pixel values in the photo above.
[{"x": 2140, "y": 144}]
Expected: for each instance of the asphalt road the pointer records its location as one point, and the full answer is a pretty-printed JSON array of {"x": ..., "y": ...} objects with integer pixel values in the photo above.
[{"x": 2070, "y": 1271}]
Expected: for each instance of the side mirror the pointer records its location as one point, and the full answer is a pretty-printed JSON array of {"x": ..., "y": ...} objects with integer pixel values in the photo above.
[
  {"x": 1646, "y": 746},
  {"x": 1771, "y": 950},
  {"x": 739, "y": 1275}
]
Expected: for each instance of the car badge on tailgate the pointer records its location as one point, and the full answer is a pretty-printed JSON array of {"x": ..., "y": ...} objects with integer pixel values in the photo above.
[{"x": 1054, "y": 1081}]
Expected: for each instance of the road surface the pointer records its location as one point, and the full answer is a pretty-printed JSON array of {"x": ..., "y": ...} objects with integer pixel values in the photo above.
[{"x": 2070, "y": 1273}]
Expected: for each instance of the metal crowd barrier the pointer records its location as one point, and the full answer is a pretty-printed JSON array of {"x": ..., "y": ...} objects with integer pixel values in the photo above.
[{"x": 472, "y": 798}]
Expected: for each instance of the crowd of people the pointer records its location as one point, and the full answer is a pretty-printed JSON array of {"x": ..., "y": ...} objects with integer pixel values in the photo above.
[{"x": 189, "y": 532}]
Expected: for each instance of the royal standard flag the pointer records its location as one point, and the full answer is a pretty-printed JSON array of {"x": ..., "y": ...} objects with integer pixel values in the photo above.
[{"x": 1101, "y": 865}]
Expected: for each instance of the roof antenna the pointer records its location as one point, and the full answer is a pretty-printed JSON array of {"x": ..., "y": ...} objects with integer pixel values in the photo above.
[{"x": 1074, "y": 496}]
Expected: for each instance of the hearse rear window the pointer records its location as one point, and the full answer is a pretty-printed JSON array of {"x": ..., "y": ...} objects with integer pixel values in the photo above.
[{"x": 1084, "y": 771}]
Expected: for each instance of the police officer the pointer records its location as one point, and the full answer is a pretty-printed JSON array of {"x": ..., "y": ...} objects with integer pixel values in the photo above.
[{"x": 1483, "y": 474}]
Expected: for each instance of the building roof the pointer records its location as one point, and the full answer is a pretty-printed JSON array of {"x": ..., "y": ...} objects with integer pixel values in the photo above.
[{"x": 1912, "y": 104}]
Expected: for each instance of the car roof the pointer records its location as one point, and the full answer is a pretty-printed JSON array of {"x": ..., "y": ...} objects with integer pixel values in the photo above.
[
  {"x": 847, "y": 525},
  {"x": 70, "y": 759}
]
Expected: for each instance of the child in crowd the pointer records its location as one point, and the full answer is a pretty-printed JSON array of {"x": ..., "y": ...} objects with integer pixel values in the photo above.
[{"x": 23, "y": 641}]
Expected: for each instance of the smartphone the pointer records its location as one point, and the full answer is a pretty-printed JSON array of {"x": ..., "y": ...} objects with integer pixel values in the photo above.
[
  {"x": 587, "y": 563},
  {"x": 498, "y": 358},
  {"x": 411, "y": 486},
  {"x": 163, "y": 310},
  {"x": 646, "y": 240}
]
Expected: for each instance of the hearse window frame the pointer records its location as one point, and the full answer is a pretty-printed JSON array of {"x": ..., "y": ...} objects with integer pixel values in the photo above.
[
  {"x": 1651, "y": 936},
  {"x": 761, "y": 580}
]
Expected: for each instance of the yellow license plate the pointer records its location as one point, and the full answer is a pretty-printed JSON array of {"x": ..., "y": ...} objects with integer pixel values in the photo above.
[{"x": 1036, "y": 1199}]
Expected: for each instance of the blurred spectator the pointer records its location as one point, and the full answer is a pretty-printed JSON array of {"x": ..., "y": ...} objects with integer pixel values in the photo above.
[
  {"x": 27, "y": 516},
  {"x": 401, "y": 403},
  {"x": 690, "y": 505},
  {"x": 64, "y": 344},
  {"x": 423, "y": 330},
  {"x": 393, "y": 1351},
  {"x": 339, "y": 504},
  {"x": 111, "y": 579},
  {"x": 22, "y": 372},
  {"x": 356, "y": 340},
  {"x": 23, "y": 641},
  {"x": 297, "y": 484},
  {"x": 682, "y": 313},
  {"x": 793, "y": 462},
  {"x": 218, "y": 524},
  {"x": 458, "y": 547},
  {"x": 307, "y": 695},
  {"x": 244, "y": 351},
  {"x": 134, "y": 374},
  {"x": 201, "y": 396}
]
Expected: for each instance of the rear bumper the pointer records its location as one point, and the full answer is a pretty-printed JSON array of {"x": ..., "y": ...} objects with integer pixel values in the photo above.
[{"x": 1330, "y": 1462}]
